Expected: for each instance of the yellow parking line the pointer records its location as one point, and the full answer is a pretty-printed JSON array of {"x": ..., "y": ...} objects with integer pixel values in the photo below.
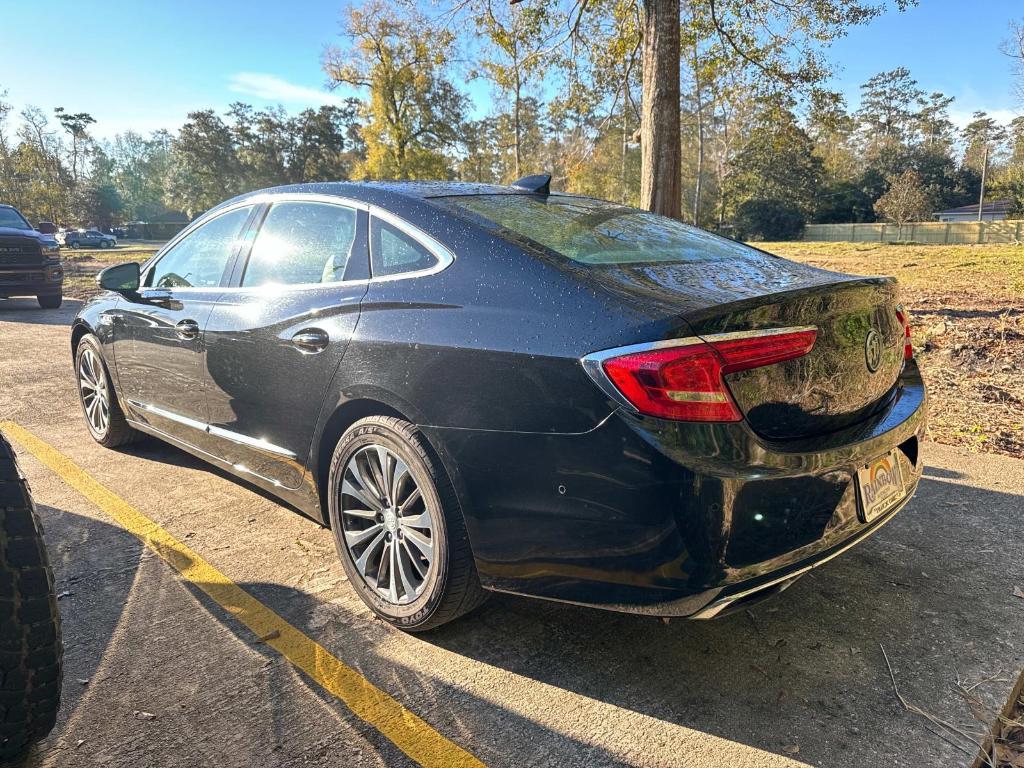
[{"x": 403, "y": 728}]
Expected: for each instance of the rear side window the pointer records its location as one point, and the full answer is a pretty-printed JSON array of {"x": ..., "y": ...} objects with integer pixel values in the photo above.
[
  {"x": 199, "y": 259},
  {"x": 300, "y": 243},
  {"x": 596, "y": 232},
  {"x": 394, "y": 252}
]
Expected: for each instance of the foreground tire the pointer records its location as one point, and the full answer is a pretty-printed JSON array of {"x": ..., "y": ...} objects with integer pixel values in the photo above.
[
  {"x": 50, "y": 301},
  {"x": 398, "y": 527},
  {"x": 103, "y": 414},
  {"x": 31, "y": 654}
]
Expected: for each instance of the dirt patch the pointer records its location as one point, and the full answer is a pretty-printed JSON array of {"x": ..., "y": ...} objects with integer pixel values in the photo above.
[
  {"x": 81, "y": 266},
  {"x": 967, "y": 313}
]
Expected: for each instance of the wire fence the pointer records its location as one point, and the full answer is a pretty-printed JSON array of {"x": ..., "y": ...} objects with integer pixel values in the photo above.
[{"x": 930, "y": 232}]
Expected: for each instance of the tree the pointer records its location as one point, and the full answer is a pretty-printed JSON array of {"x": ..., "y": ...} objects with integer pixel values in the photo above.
[
  {"x": 204, "y": 167},
  {"x": 778, "y": 163},
  {"x": 933, "y": 125},
  {"x": 414, "y": 111},
  {"x": 75, "y": 125},
  {"x": 1014, "y": 48},
  {"x": 768, "y": 219},
  {"x": 905, "y": 201},
  {"x": 519, "y": 34},
  {"x": 780, "y": 40},
  {"x": 96, "y": 204},
  {"x": 887, "y": 108}
]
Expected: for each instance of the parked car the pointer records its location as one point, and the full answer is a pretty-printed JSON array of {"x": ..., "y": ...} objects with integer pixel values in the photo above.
[
  {"x": 29, "y": 261},
  {"x": 501, "y": 388},
  {"x": 89, "y": 238},
  {"x": 31, "y": 653}
]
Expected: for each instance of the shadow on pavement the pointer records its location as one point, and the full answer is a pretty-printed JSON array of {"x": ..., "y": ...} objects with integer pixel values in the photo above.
[
  {"x": 29, "y": 312},
  {"x": 804, "y": 670}
]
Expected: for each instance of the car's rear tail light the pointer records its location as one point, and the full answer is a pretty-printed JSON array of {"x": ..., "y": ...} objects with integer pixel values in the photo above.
[
  {"x": 685, "y": 382},
  {"x": 904, "y": 317}
]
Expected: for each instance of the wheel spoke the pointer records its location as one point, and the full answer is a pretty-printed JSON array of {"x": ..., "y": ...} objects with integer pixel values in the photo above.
[
  {"x": 392, "y": 572},
  {"x": 384, "y": 463},
  {"x": 355, "y": 538},
  {"x": 399, "y": 472},
  {"x": 422, "y": 520},
  {"x": 407, "y": 585},
  {"x": 425, "y": 545},
  {"x": 370, "y": 487},
  {"x": 364, "y": 558},
  {"x": 414, "y": 560},
  {"x": 366, "y": 497},
  {"x": 412, "y": 498}
]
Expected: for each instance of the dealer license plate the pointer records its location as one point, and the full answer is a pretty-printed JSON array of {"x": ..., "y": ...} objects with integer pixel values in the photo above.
[{"x": 881, "y": 485}]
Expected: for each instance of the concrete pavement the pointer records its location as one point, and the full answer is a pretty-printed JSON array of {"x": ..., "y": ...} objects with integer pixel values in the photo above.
[{"x": 519, "y": 682}]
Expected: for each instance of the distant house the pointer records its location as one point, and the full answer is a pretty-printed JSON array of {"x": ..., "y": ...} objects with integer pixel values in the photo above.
[{"x": 994, "y": 210}]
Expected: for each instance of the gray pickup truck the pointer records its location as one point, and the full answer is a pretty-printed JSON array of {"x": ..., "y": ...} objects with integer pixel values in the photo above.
[{"x": 29, "y": 261}]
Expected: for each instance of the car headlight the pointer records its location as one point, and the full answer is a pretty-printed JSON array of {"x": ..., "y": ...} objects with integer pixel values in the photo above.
[{"x": 50, "y": 249}]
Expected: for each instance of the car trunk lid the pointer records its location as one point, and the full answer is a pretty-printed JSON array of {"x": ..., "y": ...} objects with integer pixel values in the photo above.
[{"x": 849, "y": 373}]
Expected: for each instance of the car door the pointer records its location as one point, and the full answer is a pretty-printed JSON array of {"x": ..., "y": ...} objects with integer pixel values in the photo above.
[
  {"x": 276, "y": 337},
  {"x": 158, "y": 334}
]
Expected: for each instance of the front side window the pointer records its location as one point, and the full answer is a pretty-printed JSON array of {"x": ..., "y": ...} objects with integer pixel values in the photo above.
[
  {"x": 393, "y": 252},
  {"x": 597, "y": 233},
  {"x": 199, "y": 259},
  {"x": 302, "y": 242}
]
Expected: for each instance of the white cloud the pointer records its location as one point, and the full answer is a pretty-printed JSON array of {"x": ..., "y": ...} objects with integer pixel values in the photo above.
[
  {"x": 961, "y": 117},
  {"x": 279, "y": 90}
]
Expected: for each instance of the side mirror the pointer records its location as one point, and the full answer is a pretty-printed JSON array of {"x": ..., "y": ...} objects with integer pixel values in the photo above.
[{"x": 120, "y": 277}]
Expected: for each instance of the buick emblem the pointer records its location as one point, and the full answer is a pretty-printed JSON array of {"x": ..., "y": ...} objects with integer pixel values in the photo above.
[{"x": 873, "y": 350}]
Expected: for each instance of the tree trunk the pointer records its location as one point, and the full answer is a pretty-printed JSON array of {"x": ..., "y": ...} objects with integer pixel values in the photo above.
[
  {"x": 698, "y": 186},
  {"x": 518, "y": 127},
  {"x": 625, "y": 143},
  {"x": 660, "y": 150}
]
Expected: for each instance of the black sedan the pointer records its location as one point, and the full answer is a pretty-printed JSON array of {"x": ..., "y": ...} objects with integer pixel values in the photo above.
[{"x": 501, "y": 388}]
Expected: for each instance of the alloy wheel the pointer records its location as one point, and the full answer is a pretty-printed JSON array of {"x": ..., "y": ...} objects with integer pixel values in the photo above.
[
  {"x": 92, "y": 384},
  {"x": 387, "y": 527}
]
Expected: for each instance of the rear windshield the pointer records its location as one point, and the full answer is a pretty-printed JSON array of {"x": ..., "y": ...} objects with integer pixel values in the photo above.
[
  {"x": 596, "y": 232},
  {"x": 11, "y": 218}
]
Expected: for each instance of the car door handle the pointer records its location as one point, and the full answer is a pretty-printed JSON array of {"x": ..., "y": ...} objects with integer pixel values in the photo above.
[
  {"x": 186, "y": 329},
  {"x": 309, "y": 341}
]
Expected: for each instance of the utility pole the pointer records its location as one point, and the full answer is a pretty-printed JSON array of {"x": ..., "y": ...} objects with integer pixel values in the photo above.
[{"x": 984, "y": 172}]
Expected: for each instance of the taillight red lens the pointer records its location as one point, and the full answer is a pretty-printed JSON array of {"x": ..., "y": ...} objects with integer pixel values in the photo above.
[
  {"x": 904, "y": 317},
  {"x": 685, "y": 383}
]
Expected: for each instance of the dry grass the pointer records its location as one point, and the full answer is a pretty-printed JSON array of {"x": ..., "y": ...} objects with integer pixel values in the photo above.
[
  {"x": 82, "y": 265},
  {"x": 967, "y": 309}
]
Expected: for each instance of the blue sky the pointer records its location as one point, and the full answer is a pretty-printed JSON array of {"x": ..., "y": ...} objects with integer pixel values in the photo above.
[{"x": 145, "y": 65}]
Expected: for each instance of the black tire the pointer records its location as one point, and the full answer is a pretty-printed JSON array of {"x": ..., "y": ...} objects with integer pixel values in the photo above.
[
  {"x": 452, "y": 587},
  {"x": 118, "y": 431},
  {"x": 50, "y": 301},
  {"x": 31, "y": 652}
]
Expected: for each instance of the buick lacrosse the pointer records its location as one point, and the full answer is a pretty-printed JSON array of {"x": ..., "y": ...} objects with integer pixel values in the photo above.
[{"x": 485, "y": 388}]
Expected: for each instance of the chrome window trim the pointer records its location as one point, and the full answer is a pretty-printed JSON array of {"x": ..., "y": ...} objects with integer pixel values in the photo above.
[
  {"x": 593, "y": 363},
  {"x": 304, "y": 197},
  {"x": 216, "y": 213},
  {"x": 445, "y": 258}
]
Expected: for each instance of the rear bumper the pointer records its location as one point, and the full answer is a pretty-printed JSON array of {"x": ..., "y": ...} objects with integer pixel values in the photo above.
[
  {"x": 666, "y": 518},
  {"x": 32, "y": 281}
]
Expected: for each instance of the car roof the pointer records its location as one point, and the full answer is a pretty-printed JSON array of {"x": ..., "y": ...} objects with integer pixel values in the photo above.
[{"x": 386, "y": 194}]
